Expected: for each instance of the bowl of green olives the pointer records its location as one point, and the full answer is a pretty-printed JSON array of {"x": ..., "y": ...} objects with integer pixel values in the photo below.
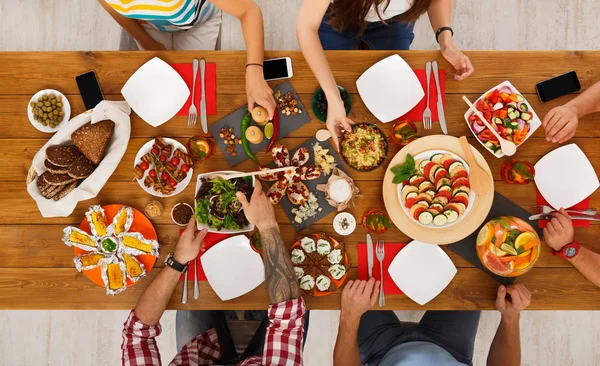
[{"x": 48, "y": 109}]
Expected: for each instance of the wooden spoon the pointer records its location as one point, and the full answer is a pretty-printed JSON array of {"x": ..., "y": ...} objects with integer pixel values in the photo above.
[
  {"x": 478, "y": 178},
  {"x": 507, "y": 147}
]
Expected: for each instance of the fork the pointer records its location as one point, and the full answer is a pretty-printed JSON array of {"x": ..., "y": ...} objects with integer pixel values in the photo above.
[
  {"x": 427, "y": 112},
  {"x": 542, "y": 209},
  {"x": 379, "y": 251},
  {"x": 193, "y": 112}
]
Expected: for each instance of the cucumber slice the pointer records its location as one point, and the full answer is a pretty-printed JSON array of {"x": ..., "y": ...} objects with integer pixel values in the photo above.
[
  {"x": 440, "y": 220},
  {"x": 445, "y": 188},
  {"x": 520, "y": 98},
  {"x": 430, "y": 193},
  {"x": 437, "y": 157},
  {"x": 422, "y": 165},
  {"x": 411, "y": 195},
  {"x": 454, "y": 166},
  {"x": 408, "y": 189},
  {"x": 451, "y": 215},
  {"x": 425, "y": 218}
]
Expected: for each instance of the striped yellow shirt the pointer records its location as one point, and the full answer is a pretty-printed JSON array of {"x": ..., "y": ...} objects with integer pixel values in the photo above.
[{"x": 166, "y": 15}]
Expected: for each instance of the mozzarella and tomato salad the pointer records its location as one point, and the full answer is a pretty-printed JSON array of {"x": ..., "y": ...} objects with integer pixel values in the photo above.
[
  {"x": 509, "y": 114},
  {"x": 438, "y": 192}
]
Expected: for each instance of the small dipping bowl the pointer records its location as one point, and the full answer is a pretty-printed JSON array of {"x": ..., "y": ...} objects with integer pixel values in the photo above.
[
  {"x": 181, "y": 207},
  {"x": 344, "y": 223}
]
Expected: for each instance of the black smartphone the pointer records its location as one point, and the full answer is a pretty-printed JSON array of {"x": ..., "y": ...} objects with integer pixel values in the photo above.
[
  {"x": 278, "y": 68},
  {"x": 558, "y": 86},
  {"x": 89, "y": 88}
]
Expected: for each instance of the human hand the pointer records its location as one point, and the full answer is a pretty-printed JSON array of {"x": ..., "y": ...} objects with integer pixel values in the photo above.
[
  {"x": 259, "y": 211},
  {"x": 358, "y": 297},
  {"x": 258, "y": 91},
  {"x": 559, "y": 231},
  {"x": 560, "y": 123},
  {"x": 518, "y": 299},
  {"x": 190, "y": 243},
  {"x": 460, "y": 61},
  {"x": 153, "y": 45},
  {"x": 337, "y": 120}
]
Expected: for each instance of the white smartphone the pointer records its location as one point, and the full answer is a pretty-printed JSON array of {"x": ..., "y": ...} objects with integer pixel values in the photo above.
[{"x": 278, "y": 68}]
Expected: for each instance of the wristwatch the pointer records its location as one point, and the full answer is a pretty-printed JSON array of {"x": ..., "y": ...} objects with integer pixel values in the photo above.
[
  {"x": 169, "y": 261},
  {"x": 569, "y": 251}
]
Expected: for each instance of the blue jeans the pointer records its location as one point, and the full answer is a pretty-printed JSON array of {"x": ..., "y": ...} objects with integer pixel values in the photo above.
[
  {"x": 454, "y": 331},
  {"x": 378, "y": 36},
  {"x": 191, "y": 323}
]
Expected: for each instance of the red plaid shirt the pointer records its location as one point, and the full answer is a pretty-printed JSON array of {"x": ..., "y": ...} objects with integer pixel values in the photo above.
[{"x": 283, "y": 344}]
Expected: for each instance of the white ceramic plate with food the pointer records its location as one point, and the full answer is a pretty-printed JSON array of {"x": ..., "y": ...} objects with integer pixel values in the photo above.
[
  {"x": 232, "y": 268},
  {"x": 66, "y": 108},
  {"x": 565, "y": 177},
  {"x": 146, "y": 149},
  {"x": 247, "y": 228},
  {"x": 156, "y": 92},
  {"x": 390, "y": 88},
  {"x": 450, "y": 217},
  {"x": 533, "y": 125},
  {"x": 422, "y": 271}
]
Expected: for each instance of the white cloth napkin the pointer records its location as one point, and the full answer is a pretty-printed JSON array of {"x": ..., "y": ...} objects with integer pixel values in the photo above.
[{"x": 118, "y": 112}]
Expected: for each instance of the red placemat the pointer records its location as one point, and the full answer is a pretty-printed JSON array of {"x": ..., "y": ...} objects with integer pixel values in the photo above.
[
  {"x": 391, "y": 249},
  {"x": 580, "y": 206},
  {"x": 416, "y": 114},
  {"x": 210, "y": 240},
  {"x": 186, "y": 72}
]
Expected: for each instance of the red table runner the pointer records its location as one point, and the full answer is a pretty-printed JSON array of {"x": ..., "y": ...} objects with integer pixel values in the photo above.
[
  {"x": 416, "y": 114},
  {"x": 186, "y": 72}
]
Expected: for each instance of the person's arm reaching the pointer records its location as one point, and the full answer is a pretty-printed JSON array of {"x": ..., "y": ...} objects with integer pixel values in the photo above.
[
  {"x": 357, "y": 298},
  {"x": 307, "y": 29},
  {"x": 249, "y": 14},
  {"x": 440, "y": 12},
  {"x": 134, "y": 28},
  {"x": 559, "y": 232},
  {"x": 506, "y": 347},
  {"x": 561, "y": 122}
]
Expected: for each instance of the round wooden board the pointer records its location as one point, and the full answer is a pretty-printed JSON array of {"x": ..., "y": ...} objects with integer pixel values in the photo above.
[{"x": 441, "y": 236}]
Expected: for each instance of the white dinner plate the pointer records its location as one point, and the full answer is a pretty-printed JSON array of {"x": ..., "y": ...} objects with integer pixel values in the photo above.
[
  {"x": 156, "y": 92},
  {"x": 232, "y": 268},
  {"x": 472, "y": 195},
  {"x": 565, "y": 176},
  {"x": 200, "y": 226},
  {"x": 390, "y": 88},
  {"x": 66, "y": 109},
  {"x": 146, "y": 149},
  {"x": 422, "y": 271}
]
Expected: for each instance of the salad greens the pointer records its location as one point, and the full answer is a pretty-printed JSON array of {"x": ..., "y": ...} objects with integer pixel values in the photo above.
[{"x": 217, "y": 205}]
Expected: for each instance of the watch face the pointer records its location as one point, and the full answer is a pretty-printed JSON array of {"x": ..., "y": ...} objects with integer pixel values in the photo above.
[{"x": 570, "y": 252}]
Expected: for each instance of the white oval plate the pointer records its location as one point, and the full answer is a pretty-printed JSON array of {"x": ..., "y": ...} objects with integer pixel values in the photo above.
[
  {"x": 144, "y": 150},
  {"x": 66, "y": 109},
  {"x": 426, "y": 155}
]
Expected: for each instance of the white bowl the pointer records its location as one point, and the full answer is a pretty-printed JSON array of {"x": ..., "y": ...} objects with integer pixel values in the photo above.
[
  {"x": 232, "y": 268},
  {"x": 146, "y": 149},
  {"x": 351, "y": 221},
  {"x": 422, "y": 271},
  {"x": 390, "y": 88},
  {"x": 245, "y": 229},
  {"x": 472, "y": 196},
  {"x": 66, "y": 109},
  {"x": 156, "y": 92},
  {"x": 534, "y": 124}
]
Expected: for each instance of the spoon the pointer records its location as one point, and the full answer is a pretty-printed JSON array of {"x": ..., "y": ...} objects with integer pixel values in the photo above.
[
  {"x": 478, "y": 178},
  {"x": 508, "y": 147}
]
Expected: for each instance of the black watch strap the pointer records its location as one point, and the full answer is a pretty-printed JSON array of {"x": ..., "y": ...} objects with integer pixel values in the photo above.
[
  {"x": 439, "y": 31},
  {"x": 176, "y": 265}
]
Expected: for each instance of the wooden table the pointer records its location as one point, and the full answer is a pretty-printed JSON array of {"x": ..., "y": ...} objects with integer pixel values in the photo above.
[{"x": 36, "y": 268}]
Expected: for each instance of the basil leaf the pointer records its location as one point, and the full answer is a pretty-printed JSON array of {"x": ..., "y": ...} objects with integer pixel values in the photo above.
[
  {"x": 410, "y": 161},
  {"x": 522, "y": 170},
  {"x": 398, "y": 169}
]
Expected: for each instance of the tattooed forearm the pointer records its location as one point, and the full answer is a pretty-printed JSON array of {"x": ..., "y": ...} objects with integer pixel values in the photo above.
[{"x": 279, "y": 272}]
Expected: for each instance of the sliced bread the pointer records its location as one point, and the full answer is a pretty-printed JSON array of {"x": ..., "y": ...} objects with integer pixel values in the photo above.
[
  {"x": 92, "y": 139},
  {"x": 81, "y": 168},
  {"x": 58, "y": 179},
  {"x": 62, "y": 155},
  {"x": 55, "y": 168},
  {"x": 65, "y": 191}
]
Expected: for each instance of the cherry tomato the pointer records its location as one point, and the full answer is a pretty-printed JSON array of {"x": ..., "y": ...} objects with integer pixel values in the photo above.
[
  {"x": 144, "y": 165},
  {"x": 175, "y": 160},
  {"x": 162, "y": 158},
  {"x": 172, "y": 182},
  {"x": 154, "y": 151},
  {"x": 185, "y": 168},
  {"x": 152, "y": 173},
  {"x": 164, "y": 176}
]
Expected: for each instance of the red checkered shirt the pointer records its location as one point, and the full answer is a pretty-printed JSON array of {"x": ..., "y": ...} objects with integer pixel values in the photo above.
[{"x": 283, "y": 344}]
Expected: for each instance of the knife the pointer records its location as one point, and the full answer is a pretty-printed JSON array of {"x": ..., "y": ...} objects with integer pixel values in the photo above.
[
  {"x": 370, "y": 255},
  {"x": 203, "y": 96},
  {"x": 440, "y": 105},
  {"x": 578, "y": 217}
]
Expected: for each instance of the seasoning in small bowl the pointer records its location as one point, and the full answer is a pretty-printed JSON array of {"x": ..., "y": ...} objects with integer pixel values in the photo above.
[
  {"x": 344, "y": 223},
  {"x": 182, "y": 213},
  {"x": 153, "y": 209}
]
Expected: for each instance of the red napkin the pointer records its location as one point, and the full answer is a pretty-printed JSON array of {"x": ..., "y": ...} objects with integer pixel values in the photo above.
[
  {"x": 580, "y": 206},
  {"x": 391, "y": 249},
  {"x": 416, "y": 114},
  {"x": 210, "y": 240},
  {"x": 186, "y": 72}
]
